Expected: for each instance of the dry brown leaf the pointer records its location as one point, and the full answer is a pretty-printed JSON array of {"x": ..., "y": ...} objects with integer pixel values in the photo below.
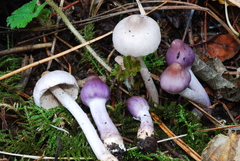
[
  {"x": 222, "y": 148},
  {"x": 223, "y": 47},
  {"x": 231, "y": 2},
  {"x": 213, "y": 72}
]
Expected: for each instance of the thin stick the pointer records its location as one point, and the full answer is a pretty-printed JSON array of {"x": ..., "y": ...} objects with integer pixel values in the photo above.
[
  {"x": 210, "y": 117},
  {"x": 54, "y": 56},
  {"x": 181, "y": 143},
  {"x": 158, "y": 7},
  {"x": 77, "y": 34},
  {"x": 140, "y": 8},
  {"x": 25, "y": 48},
  {"x": 160, "y": 141}
]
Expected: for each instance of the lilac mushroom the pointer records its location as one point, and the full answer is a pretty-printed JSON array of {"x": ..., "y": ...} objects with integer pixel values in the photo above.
[
  {"x": 138, "y": 35},
  {"x": 175, "y": 80},
  {"x": 61, "y": 88},
  {"x": 139, "y": 109},
  {"x": 95, "y": 93},
  {"x": 183, "y": 54}
]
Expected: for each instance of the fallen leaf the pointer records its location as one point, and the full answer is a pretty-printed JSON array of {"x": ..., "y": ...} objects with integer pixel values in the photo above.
[
  {"x": 223, "y": 47},
  {"x": 231, "y": 2},
  {"x": 222, "y": 148},
  {"x": 235, "y": 2}
]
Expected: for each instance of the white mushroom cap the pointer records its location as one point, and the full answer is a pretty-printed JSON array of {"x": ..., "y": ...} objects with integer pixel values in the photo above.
[
  {"x": 44, "y": 98},
  {"x": 136, "y": 35}
]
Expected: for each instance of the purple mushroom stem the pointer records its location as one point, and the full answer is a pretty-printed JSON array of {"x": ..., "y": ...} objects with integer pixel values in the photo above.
[
  {"x": 139, "y": 109},
  {"x": 95, "y": 93}
]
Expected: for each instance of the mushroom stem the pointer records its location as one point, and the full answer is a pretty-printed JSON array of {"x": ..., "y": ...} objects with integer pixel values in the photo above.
[
  {"x": 139, "y": 109},
  {"x": 96, "y": 144},
  {"x": 146, "y": 128},
  {"x": 196, "y": 86},
  {"x": 148, "y": 81},
  {"x": 193, "y": 96},
  {"x": 108, "y": 131}
]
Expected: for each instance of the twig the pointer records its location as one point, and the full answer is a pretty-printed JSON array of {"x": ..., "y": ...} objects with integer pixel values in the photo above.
[
  {"x": 181, "y": 143},
  {"x": 37, "y": 157},
  {"x": 54, "y": 39},
  {"x": 229, "y": 113},
  {"x": 25, "y": 48},
  {"x": 210, "y": 117},
  {"x": 77, "y": 34},
  {"x": 54, "y": 56}
]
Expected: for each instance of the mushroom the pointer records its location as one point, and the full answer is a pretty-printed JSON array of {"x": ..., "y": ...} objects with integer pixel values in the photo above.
[
  {"x": 139, "y": 109},
  {"x": 183, "y": 54},
  {"x": 175, "y": 80},
  {"x": 138, "y": 35},
  {"x": 61, "y": 88},
  {"x": 94, "y": 94}
]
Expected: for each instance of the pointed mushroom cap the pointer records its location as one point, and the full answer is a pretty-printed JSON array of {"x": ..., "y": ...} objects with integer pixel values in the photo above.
[
  {"x": 136, "y": 35},
  {"x": 44, "y": 98},
  {"x": 175, "y": 78},
  {"x": 180, "y": 52}
]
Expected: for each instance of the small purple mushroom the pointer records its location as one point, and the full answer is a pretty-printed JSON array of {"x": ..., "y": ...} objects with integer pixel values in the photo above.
[
  {"x": 139, "y": 109},
  {"x": 175, "y": 79},
  {"x": 95, "y": 93},
  {"x": 183, "y": 54}
]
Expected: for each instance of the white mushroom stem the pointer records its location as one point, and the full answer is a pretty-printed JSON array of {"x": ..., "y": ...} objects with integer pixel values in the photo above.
[
  {"x": 146, "y": 128},
  {"x": 108, "y": 131},
  {"x": 148, "y": 81},
  {"x": 96, "y": 144},
  {"x": 196, "y": 86},
  {"x": 193, "y": 96}
]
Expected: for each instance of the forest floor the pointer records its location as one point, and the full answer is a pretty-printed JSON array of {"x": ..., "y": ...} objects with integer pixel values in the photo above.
[{"x": 28, "y": 132}]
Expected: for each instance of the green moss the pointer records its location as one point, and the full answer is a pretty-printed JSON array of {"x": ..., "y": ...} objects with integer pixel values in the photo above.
[
  {"x": 40, "y": 132},
  {"x": 182, "y": 121}
]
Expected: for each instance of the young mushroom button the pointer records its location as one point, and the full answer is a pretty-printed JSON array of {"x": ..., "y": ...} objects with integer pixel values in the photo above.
[
  {"x": 138, "y": 35},
  {"x": 61, "y": 88},
  {"x": 95, "y": 93}
]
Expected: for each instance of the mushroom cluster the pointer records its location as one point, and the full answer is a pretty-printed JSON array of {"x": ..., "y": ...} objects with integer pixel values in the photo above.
[
  {"x": 61, "y": 88},
  {"x": 178, "y": 77},
  {"x": 94, "y": 94}
]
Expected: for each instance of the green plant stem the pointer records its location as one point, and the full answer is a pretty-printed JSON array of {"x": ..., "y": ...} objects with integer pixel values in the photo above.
[{"x": 77, "y": 34}]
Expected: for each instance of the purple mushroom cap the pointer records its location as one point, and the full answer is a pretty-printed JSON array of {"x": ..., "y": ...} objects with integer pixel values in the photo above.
[
  {"x": 175, "y": 78},
  {"x": 94, "y": 87},
  {"x": 181, "y": 53},
  {"x": 137, "y": 104}
]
